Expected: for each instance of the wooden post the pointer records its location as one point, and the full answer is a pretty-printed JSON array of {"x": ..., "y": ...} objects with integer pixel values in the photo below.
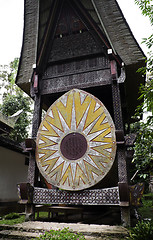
[
  {"x": 32, "y": 170},
  {"x": 122, "y": 168}
]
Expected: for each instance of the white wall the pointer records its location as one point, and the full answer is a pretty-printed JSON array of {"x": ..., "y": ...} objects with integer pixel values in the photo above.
[{"x": 12, "y": 171}]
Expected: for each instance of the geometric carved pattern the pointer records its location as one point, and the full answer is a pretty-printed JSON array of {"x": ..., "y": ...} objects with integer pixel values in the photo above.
[
  {"x": 107, "y": 196},
  {"x": 76, "y": 143}
]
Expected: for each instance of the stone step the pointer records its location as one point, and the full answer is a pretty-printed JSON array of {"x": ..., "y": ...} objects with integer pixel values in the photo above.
[
  {"x": 6, "y": 234},
  {"x": 11, "y": 234},
  {"x": 28, "y": 230}
]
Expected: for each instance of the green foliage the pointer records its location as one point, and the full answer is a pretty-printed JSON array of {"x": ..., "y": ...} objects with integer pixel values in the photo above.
[
  {"x": 12, "y": 218},
  {"x": 146, "y": 8},
  {"x": 142, "y": 231},
  {"x": 143, "y": 155},
  {"x": 146, "y": 93},
  {"x": 64, "y": 234},
  {"x": 145, "y": 211},
  {"x": 11, "y": 105},
  {"x": 7, "y": 77},
  {"x": 14, "y": 100}
]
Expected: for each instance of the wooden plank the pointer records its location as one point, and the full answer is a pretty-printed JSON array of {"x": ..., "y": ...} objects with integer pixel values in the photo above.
[{"x": 83, "y": 80}]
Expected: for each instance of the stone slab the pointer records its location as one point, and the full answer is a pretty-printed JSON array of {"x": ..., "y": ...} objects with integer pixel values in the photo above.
[{"x": 87, "y": 229}]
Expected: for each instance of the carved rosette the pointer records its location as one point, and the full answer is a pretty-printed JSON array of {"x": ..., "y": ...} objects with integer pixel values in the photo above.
[{"x": 76, "y": 143}]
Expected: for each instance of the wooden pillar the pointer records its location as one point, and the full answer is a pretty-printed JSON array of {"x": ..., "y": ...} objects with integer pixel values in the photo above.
[
  {"x": 122, "y": 168},
  {"x": 32, "y": 170},
  {"x": 35, "y": 126}
]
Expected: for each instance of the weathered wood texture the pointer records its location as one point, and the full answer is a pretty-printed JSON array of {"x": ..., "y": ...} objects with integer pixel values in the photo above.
[
  {"x": 118, "y": 119},
  {"x": 32, "y": 171},
  {"x": 78, "y": 73},
  {"x": 76, "y": 66},
  {"x": 96, "y": 78},
  {"x": 75, "y": 45},
  {"x": 109, "y": 16},
  {"x": 29, "y": 50},
  {"x": 119, "y": 31}
]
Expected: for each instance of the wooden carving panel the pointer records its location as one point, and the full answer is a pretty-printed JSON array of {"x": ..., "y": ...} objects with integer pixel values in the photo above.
[{"x": 76, "y": 143}]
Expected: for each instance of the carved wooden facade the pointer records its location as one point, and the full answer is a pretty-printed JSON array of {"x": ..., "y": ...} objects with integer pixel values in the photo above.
[{"x": 79, "y": 45}]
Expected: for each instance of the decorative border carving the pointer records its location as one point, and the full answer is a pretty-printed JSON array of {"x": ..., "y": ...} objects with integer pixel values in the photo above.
[{"x": 107, "y": 196}]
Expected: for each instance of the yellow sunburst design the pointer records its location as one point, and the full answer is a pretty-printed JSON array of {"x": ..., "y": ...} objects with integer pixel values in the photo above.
[{"x": 76, "y": 143}]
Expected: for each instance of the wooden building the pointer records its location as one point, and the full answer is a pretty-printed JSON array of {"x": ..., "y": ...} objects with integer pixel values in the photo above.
[
  {"x": 14, "y": 166},
  {"x": 87, "y": 45}
]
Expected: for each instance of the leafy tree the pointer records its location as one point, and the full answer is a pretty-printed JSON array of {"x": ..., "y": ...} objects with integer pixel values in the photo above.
[
  {"x": 146, "y": 8},
  {"x": 143, "y": 157},
  {"x": 13, "y": 99},
  {"x": 7, "y": 77}
]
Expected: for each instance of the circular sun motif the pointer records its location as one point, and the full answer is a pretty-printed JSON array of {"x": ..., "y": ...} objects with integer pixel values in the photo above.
[{"x": 76, "y": 143}]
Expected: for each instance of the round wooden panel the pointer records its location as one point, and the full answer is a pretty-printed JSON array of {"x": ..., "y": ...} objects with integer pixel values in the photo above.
[{"x": 76, "y": 143}]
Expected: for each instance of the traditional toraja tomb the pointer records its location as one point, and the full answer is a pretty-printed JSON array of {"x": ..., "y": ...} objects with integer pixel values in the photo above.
[{"x": 78, "y": 62}]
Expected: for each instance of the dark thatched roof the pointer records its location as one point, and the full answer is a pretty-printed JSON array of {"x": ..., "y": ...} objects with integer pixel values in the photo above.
[{"x": 109, "y": 18}]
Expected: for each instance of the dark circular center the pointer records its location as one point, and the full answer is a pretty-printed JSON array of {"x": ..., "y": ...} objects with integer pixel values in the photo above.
[{"x": 73, "y": 146}]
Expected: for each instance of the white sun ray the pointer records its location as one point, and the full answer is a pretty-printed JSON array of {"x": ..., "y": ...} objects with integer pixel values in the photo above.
[
  {"x": 41, "y": 155},
  {"x": 89, "y": 160},
  {"x": 53, "y": 177},
  {"x": 97, "y": 106},
  {"x": 45, "y": 168},
  {"x": 94, "y": 176},
  {"x": 73, "y": 119},
  {"x": 66, "y": 164},
  {"x": 83, "y": 120},
  {"x": 73, "y": 167},
  {"x": 109, "y": 149},
  {"x": 105, "y": 120},
  {"x": 104, "y": 164},
  {"x": 44, "y": 128},
  {"x": 82, "y": 97},
  {"x": 88, "y": 129},
  {"x": 59, "y": 161},
  {"x": 57, "y": 130},
  {"x": 54, "y": 139},
  {"x": 97, "y": 144},
  {"x": 53, "y": 147},
  {"x": 41, "y": 141},
  {"x": 51, "y": 114},
  {"x": 54, "y": 155},
  {"x": 63, "y": 122},
  {"x": 94, "y": 135},
  {"x": 81, "y": 181},
  {"x": 94, "y": 152},
  {"x": 64, "y": 100},
  {"x": 109, "y": 135},
  {"x": 81, "y": 164}
]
